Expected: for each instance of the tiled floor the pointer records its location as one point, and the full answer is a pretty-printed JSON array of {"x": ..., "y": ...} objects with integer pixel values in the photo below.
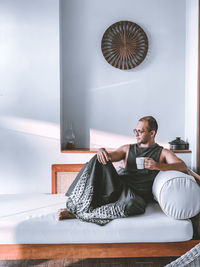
[{"x": 120, "y": 262}]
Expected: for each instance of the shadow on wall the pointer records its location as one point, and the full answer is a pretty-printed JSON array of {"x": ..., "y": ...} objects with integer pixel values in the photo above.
[
  {"x": 83, "y": 103},
  {"x": 89, "y": 100},
  {"x": 75, "y": 76},
  {"x": 96, "y": 95}
]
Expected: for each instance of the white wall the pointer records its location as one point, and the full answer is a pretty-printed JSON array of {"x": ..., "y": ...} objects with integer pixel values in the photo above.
[
  {"x": 30, "y": 89},
  {"x": 96, "y": 95},
  {"x": 191, "y": 78},
  {"x": 30, "y": 95}
]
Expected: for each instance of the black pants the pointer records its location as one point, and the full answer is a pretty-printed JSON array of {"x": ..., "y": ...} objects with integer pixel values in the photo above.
[{"x": 105, "y": 191}]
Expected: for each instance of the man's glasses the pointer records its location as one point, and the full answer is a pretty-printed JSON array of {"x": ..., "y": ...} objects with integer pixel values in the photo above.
[{"x": 139, "y": 132}]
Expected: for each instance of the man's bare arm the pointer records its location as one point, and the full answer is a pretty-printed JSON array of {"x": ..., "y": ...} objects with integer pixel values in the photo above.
[
  {"x": 168, "y": 161},
  {"x": 119, "y": 154},
  {"x": 195, "y": 175}
]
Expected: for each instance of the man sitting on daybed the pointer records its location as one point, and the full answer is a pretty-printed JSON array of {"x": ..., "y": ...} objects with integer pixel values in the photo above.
[{"x": 100, "y": 194}]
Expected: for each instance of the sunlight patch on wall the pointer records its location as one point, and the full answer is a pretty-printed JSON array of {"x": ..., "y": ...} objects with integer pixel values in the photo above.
[
  {"x": 30, "y": 126},
  {"x": 110, "y": 140}
]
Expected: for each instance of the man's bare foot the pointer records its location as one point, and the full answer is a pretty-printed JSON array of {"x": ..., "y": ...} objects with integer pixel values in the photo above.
[{"x": 65, "y": 214}]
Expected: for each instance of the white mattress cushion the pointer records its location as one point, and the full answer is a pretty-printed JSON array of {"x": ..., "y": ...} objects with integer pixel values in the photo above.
[
  {"x": 32, "y": 219},
  {"x": 177, "y": 193}
]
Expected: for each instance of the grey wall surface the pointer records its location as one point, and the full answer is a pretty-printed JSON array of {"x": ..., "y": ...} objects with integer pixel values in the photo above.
[
  {"x": 29, "y": 94},
  {"x": 191, "y": 77},
  {"x": 96, "y": 95},
  {"x": 30, "y": 84}
]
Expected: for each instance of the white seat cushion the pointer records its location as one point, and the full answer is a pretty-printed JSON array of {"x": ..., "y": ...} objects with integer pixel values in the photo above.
[
  {"x": 177, "y": 193},
  {"x": 32, "y": 219}
]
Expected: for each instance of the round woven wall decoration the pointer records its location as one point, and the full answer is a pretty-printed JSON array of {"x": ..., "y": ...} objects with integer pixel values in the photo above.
[{"x": 124, "y": 45}]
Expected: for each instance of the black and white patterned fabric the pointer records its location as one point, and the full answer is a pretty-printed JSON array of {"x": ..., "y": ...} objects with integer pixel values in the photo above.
[
  {"x": 100, "y": 194},
  {"x": 189, "y": 259},
  {"x": 79, "y": 203}
]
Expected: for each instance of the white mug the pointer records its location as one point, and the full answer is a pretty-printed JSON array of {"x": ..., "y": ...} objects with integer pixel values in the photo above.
[{"x": 140, "y": 162}]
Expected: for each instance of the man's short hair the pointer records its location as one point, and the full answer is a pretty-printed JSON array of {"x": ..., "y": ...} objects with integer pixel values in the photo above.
[{"x": 152, "y": 123}]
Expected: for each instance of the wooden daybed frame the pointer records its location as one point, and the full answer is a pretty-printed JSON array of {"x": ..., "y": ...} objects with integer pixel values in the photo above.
[{"x": 113, "y": 250}]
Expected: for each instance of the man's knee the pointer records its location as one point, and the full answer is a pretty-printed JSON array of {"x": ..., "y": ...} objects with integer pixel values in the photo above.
[{"x": 95, "y": 159}]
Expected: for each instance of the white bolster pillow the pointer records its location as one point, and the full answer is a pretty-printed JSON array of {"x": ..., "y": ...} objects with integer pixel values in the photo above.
[{"x": 177, "y": 193}]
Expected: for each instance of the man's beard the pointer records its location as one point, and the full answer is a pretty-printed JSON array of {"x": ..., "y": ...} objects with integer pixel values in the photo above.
[{"x": 140, "y": 142}]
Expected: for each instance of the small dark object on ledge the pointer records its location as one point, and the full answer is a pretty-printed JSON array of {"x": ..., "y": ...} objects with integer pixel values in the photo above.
[
  {"x": 70, "y": 145},
  {"x": 178, "y": 144}
]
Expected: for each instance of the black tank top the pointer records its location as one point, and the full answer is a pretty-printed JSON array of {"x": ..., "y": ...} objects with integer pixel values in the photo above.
[{"x": 136, "y": 178}]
